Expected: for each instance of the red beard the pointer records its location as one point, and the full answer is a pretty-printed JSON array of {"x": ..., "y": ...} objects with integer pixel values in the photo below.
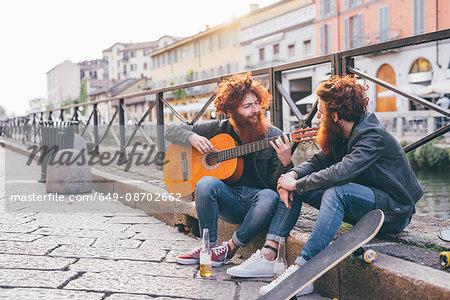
[
  {"x": 329, "y": 133},
  {"x": 250, "y": 129}
]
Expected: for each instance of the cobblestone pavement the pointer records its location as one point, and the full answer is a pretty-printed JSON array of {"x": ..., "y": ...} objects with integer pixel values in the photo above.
[{"x": 95, "y": 250}]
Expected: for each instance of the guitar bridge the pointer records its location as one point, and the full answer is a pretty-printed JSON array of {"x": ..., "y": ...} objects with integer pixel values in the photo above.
[{"x": 184, "y": 169}]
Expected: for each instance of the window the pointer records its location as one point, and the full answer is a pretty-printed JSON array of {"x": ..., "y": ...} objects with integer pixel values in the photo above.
[
  {"x": 211, "y": 45},
  {"x": 133, "y": 54},
  {"x": 197, "y": 49},
  {"x": 118, "y": 63},
  {"x": 180, "y": 52},
  {"x": 291, "y": 51},
  {"x": 354, "y": 36},
  {"x": 327, "y": 7},
  {"x": 145, "y": 66},
  {"x": 419, "y": 16},
  {"x": 307, "y": 48},
  {"x": 276, "y": 50},
  {"x": 227, "y": 39},
  {"x": 133, "y": 67},
  {"x": 124, "y": 70},
  {"x": 203, "y": 46},
  {"x": 220, "y": 40},
  {"x": 326, "y": 38},
  {"x": 236, "y": 67},
  {"x": 261, "y": 54},
  {"x": 384, "y": 23},
  {"x": 351, "y": 3},
  {"x": 421, "y": 65},
  {"x": 235, "y": 37}
]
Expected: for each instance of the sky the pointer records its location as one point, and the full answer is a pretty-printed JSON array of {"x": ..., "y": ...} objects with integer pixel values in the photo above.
[{"x": 37, "y": 35}]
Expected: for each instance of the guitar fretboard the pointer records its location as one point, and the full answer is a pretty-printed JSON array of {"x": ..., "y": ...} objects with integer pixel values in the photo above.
[{"x": 246, "y": 149}]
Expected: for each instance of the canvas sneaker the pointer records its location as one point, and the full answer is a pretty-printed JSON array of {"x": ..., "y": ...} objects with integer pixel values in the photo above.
[
  {"x": 221, "y": 254},
  {"x": 267, "y": 288},
  {"x": 191, "y": 258},
  {"x": 257, "y": 266}
]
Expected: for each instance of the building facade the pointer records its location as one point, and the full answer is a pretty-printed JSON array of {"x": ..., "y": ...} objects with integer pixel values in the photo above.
[
  {"x": 63, "y": 83},
  {"x": 278, "y": 34}
]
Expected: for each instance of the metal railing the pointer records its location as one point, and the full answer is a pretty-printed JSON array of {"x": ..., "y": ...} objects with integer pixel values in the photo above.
[{"x": 340, "y": 62}]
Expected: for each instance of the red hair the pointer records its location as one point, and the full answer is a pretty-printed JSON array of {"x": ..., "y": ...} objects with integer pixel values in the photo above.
[
  {"x": 231, "y": 92},
  {"x": 344, "y": 96}
]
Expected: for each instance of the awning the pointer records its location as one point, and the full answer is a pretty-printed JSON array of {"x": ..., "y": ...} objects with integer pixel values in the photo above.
[
  {"x": 310, "y": 99},
  {"x": 191, "y": 107},
  {"x": 440, "y": 87},
  {"x": 409, "y": 88}
]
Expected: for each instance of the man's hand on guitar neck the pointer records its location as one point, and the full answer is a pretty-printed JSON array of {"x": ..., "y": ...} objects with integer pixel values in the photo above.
[
  {"x": 283, "y": 150},
  {"x": 202, "y": 144}
]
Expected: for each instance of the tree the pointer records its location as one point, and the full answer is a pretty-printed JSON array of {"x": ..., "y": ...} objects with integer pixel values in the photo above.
[
  {"x": 178, "y": 94},
  {"x": 83, "y": 97}
]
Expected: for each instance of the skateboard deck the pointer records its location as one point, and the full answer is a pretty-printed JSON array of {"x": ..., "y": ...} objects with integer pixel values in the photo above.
[{"x": 364, "y": 231}]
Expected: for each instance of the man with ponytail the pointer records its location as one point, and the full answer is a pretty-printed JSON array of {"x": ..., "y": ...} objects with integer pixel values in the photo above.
[{"x": 360, "y": 167}]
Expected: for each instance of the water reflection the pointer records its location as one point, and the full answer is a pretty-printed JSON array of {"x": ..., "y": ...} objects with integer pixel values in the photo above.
[{"x": 435, "y": 201}]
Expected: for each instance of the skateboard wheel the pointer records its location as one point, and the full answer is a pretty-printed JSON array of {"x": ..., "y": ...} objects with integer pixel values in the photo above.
[
  {"x": 444, "y": 258},
  {"x": 370, "y": 256}
]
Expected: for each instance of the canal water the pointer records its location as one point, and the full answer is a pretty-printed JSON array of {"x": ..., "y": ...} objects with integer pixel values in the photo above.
[{"x": 436, "y": 199}]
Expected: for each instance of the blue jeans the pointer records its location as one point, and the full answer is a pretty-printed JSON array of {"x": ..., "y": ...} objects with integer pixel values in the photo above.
[
  {"x": 251, "y": 207},
  {"x": 349, "y": 203}
]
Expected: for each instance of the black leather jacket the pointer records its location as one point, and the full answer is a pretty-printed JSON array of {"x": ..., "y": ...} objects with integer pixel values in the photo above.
[
  {"x": 371, "y": 157},
  {"x": 267, "y": 165}
]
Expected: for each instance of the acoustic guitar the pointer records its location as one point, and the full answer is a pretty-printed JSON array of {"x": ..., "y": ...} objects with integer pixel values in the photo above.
[{"x": 185, "y": 166}]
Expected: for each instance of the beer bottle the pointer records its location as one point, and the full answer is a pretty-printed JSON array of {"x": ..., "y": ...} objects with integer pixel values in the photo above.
[
  {"x": 205, "y": 256},
  {"x": 280, "y": 263}
]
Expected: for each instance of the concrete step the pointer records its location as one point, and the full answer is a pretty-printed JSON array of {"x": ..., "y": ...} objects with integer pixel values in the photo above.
[{"x": 388, "y": 278}]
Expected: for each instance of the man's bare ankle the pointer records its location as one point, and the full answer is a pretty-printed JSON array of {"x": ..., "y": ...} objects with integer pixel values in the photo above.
[{"x": 268, "y": 254}]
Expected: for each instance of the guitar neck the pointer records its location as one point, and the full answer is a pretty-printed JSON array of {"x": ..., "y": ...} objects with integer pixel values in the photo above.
[{"x": 247, "y": 148}]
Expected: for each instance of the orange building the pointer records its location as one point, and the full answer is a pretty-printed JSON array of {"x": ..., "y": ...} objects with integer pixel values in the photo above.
[{"x": 347, "y": 24}]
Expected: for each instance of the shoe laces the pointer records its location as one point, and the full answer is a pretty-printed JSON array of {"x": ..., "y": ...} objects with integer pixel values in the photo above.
[
  {"x": 220, "y": 249},
  {"x": 255, "y": 257},
  {"x": 195, "y": 250},
  {"x": 284, "y": 275}
]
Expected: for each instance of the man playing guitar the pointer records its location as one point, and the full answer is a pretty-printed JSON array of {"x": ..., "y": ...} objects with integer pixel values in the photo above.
[{"x": 251, "y": 200}]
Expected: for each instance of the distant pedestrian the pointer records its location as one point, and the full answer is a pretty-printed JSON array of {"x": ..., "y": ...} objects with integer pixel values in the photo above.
[{"x": 443, "y": 102}]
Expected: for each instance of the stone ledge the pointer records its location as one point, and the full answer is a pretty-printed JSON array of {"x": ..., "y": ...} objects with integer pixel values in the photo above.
[{"x": 388, "y": 277}]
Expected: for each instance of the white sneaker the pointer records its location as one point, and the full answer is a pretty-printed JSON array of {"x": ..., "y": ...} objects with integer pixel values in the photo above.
[
  {"x": 267, "y": 288},
  {"x": 257, "y": 266}
]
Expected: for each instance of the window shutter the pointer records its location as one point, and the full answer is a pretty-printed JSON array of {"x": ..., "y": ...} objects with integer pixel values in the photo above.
[
  {"x": 332, "y": 5},
  {"x": 360, "y": 30},
  {"x": 346, "y": 2},
  {"x": 321, "y": 7},
  {"x": 322, "y": 40},
  {"x": 347, "y": 33},
  {"x": 329, "y": 38}
]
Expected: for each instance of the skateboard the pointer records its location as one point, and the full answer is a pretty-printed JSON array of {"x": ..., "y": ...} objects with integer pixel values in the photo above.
[{"x": 364, "y": 231}]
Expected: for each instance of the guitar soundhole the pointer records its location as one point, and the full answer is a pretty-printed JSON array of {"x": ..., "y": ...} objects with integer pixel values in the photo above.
[{"x": 212, "y": 159}]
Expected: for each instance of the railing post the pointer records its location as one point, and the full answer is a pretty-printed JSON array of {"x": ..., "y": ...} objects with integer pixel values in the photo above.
[
  {"x": 399, "y": 126},
  {"x": 96, "y": 146},
  {"x": 75, "y": 114},
  {"x": 34, "y": 127},
  {"x": 276, "y": 109},
  {"x": 50, "y": 118},
  {"x": 122, "y": 129},
  {"x": 431, "y": 124},
  {"x": 160, "y": 125},
  {"x": 61, "y": 115},
  {"x": 336, "y": 64},
  {"x": 347, "y": 62}
]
